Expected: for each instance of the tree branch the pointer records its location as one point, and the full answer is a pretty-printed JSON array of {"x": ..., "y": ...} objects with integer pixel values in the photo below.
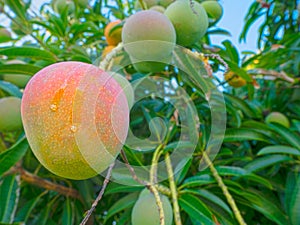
[
  {"x": 40, "y": 182},
  {"x": 224, "y": 188},
  {"x": 281, "y": 75},
  {"x": 100, "y": 195},
  {"x": 173, "y": 190}
]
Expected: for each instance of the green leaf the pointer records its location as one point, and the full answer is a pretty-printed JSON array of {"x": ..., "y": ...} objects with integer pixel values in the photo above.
[
  {"x": 259, "y": 127},
  {"x": 277, "y": 149},
  {"x": 266, "y": 161},
  {"x": 123, "y": 203},
  {"x": 24, "y": 212},
  {"x": 251, "y": 17},
  {"x": 231, "y": 171},
  {"x": 11, "y": 89},
  {"x": 16, "y": 223},
  {"x": 268, "y": 207},
  {"x": 125, "y": 218},
  {"x": 28, "y": 52},
  {"x": 239, "y": 71},
  {"x": 58, "y": 25},
  {"x": 236, "y": 115},
  {"x": 231, "y": 51},
  {"x": 123, "y": 176},
  {"x": 198, "y": 180},
  {"x": 195, "y": 208},
  {"x": 118, "y": 188},
  {"x": 241, "y": 105},
  {"x": 218, "y": 31},
  {"x": 289, "y": 136},
  {"x": 240, "y": 172},
  {"x": 181, "y": 170},
  {"x": 9, "y": 197},
  {"x": 260, "y": 180},
  {"x": 25, "y": 69},
  {"x": 11, "y": 156},
  {"x": 243, "y": 134},
  {"x": 4, "y": 39},
  {"x": 213, "y": 198},
  {"x": 178, "y": 145},
  {"x": 68, "y": 212},
  {"x": 292, "y": 197},
  {"x": 17, "y": 7},
  {"x": 44, "y": 217}
]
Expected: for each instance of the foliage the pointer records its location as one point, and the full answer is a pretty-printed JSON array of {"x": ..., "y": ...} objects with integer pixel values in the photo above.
[{"x": 258, "y": 162}]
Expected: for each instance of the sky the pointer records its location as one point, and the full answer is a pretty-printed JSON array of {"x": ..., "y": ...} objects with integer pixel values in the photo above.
[{"x": 232, "y": 20}]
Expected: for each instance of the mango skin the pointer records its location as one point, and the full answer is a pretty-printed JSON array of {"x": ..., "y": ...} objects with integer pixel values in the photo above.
[
  {"x": 115, "y": 37},
  {"x": 10, "y": 114},
  {"x": 277, "y": 117},
  {"x": 190, "y": 24},
  {"x": 59, "y": 6},
  {"x": 75, "y": 118},
  {"x": 234, "y": 80},
  {"x": 145, "y": 210},
  {"x": 214, "y": 10},
  {"x": 126, "y": 87},
  {"x": 148, "y": 35}
]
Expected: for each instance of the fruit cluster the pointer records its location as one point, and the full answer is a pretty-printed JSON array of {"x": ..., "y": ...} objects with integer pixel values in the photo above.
[
  {"x": 79, "y": 110},
  {"x": 53, "y": 118},
  {"x": 149, "y": 36}
]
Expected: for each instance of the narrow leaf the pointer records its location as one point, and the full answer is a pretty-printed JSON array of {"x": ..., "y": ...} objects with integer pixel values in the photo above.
[
  {"x": 287, "y": 134},
  {"x": 11, "y": 89},
  {"x": 213, "y": 198},
  {"x": 28, "y": 52},
  {"x": 293, "y": 198},
  {"x": 123, "y": 203},
  {"x": 196, "y": 181},
  {"x": 9, "y": 197},
  {"x": 279, "y": 149},
  {"x": 25, "y": 211},
  {"x": 11, "y": 156},
  {"x": 243, "y": 134},
  {"x": 17, "y": 7},
  {"x": 266, "y": 161},
  {"x": 25, "y": 69},
  {"x": 195, "y": 208},
  {"x": 68, "y": 214}
]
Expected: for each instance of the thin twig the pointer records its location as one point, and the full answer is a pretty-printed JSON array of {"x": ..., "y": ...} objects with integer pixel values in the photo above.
[
  {"x": 224, "y": 188},
  {"x": 100, "y": 195},
  {"x": 131, "y": 169},
  {"x": 219, "y": 58},
  {"x": 143, "y": 5},
  {"x": 173, "y": 190},
  {"x": 159, "y": 204},
  {"x": 40, "y": 182},
  {"x": 281, "y": 75},
  {"x": 30, "y": 34},
  {"x": 104, "y": 64},
  {"x": 153, "y": 170},
  {"x": 162, "y": 189},
  {"x": 153, "y": 180}
]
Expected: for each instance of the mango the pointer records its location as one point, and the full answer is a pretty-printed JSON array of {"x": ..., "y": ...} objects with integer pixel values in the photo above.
[
  {"x": 10, "y": 114},
  {"x": 190, "y": 21},
  {"x": 145, "y": 210},
  {"x": 76, "y": 119}
]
